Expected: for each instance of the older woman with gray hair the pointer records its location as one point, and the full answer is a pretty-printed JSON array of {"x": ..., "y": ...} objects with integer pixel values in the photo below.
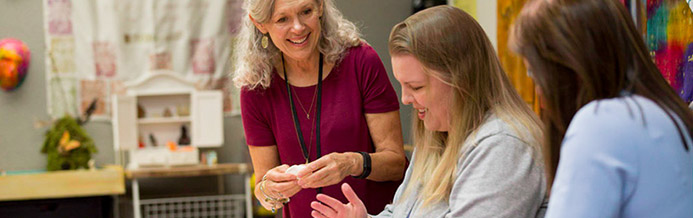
[{"x": 317, "y": 106}]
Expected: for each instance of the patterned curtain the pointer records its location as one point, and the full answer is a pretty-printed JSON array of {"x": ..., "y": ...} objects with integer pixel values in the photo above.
[{"x": 93, "y": 48}]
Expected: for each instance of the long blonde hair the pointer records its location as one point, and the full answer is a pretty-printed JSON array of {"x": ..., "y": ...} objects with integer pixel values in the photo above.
[
  {"x": 253, "y": 64},
  {"x": 455, "y": 49}
]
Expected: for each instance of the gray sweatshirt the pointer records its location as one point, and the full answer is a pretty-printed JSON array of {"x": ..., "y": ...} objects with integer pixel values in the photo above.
[{"x": 499, "y": 176}]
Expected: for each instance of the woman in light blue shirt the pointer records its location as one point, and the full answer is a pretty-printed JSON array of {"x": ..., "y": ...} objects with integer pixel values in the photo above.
[{"x": 617, "y": 135}]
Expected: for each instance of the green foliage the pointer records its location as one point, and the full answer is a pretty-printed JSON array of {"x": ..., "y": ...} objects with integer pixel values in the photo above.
[{"x": 73, "y": 159}]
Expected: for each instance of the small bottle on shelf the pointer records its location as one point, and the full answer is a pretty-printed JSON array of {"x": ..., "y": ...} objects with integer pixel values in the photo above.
[
  {"x": 140, "y": 142},
  {"x": 152, "y": 140},
  {"x": 167, "y": 112},
  {"x": 184, "y": 138},
  {"x": 141, "y": 113}
]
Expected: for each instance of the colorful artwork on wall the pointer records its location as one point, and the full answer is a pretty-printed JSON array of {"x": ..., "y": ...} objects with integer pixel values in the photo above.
[
  {"x": 512, "y": 64},
  {"x": 670, "y": 40}
]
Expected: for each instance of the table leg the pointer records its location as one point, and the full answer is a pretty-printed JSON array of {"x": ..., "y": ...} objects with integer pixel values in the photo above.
[
  {"x": 220, "y": 184},
  {"x": 248, "y": 199},
  {"x": 116, "y": 206},
  {"x": 136, "y": 199}
]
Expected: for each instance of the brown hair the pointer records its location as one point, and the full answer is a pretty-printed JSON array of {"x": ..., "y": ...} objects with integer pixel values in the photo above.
[
  {"x": 453, "y": 47},
  {"x": 584, "y": 50}
]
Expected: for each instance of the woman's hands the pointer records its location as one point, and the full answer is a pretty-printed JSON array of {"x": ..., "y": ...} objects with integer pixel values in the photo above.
[
  {"x": 333, "y": 208},
  {"x": 277, "y": 184},
  {"x": 330, "y": 169}
]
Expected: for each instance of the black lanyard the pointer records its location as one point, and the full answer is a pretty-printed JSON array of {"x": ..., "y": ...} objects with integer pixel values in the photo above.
[{"x": 297, "y": 125}]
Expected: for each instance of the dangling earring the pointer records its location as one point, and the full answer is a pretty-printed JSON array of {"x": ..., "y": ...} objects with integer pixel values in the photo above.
[{"x": 265, "y": 41}]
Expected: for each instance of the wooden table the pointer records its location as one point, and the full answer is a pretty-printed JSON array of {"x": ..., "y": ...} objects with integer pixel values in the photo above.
[
  {"x": 62, "y": 184},
  {"x": 190, "y": 171},
  {"x": 78, "y": 192}
]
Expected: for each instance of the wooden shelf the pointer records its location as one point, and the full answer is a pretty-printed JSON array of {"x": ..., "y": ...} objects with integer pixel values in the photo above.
[
  {"x": 188, "y": 171},
  {"x": 163, "y": 120},
  {"x": 63, "y": 184},
  {"x": 162, "y": 93}
]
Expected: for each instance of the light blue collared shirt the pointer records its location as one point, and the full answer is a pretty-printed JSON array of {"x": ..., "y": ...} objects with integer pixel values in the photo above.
[{"x": 623, "y": 157}]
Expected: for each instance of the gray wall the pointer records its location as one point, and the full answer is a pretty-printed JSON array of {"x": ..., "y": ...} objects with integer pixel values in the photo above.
[
  {"x": 376, "y": 18},
  {"x": 20, "y": 141}
]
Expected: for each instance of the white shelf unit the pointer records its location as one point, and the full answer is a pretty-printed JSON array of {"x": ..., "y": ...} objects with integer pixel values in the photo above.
[
  {"x": 156, "y": 92},
  {"x": 202, "y": 116}
]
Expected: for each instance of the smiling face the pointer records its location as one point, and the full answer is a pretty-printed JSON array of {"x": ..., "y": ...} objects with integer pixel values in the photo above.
[
  {"x": 294, "y": 27},
  {"x": 429, "y": 96}
]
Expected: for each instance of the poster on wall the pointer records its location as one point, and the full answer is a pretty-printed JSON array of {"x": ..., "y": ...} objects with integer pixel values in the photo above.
[
  {"x": 670, "y": 40},
  {"x": 95, "y": 47}
]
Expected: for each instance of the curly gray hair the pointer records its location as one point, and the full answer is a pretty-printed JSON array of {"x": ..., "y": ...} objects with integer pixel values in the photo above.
[{"x": 254, "y": 64}]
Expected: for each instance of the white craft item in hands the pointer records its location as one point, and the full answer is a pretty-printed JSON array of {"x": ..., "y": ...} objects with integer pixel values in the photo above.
[{"x": 295, "y": 168}]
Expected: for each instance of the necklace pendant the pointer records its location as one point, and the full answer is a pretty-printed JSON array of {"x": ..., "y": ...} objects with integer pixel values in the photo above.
[{"x": 308, "y": 116}]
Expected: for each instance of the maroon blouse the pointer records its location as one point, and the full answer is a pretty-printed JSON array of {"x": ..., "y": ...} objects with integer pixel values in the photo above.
[{"x": 357, "y": 85}]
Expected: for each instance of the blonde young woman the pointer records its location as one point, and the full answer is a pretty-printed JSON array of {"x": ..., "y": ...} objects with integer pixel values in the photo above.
[
  {"x": 477, "y": 151},
  {"x": 314, "y": 93}
]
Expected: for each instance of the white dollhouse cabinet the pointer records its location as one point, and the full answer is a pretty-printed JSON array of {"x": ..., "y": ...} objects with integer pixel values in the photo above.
[{"x": 166, "y": 104}]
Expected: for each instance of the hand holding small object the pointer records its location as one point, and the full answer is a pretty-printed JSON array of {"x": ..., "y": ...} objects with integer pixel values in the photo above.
[
  {"x": 329, "y": 170},
  {"x": 277, "y": 186}
]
